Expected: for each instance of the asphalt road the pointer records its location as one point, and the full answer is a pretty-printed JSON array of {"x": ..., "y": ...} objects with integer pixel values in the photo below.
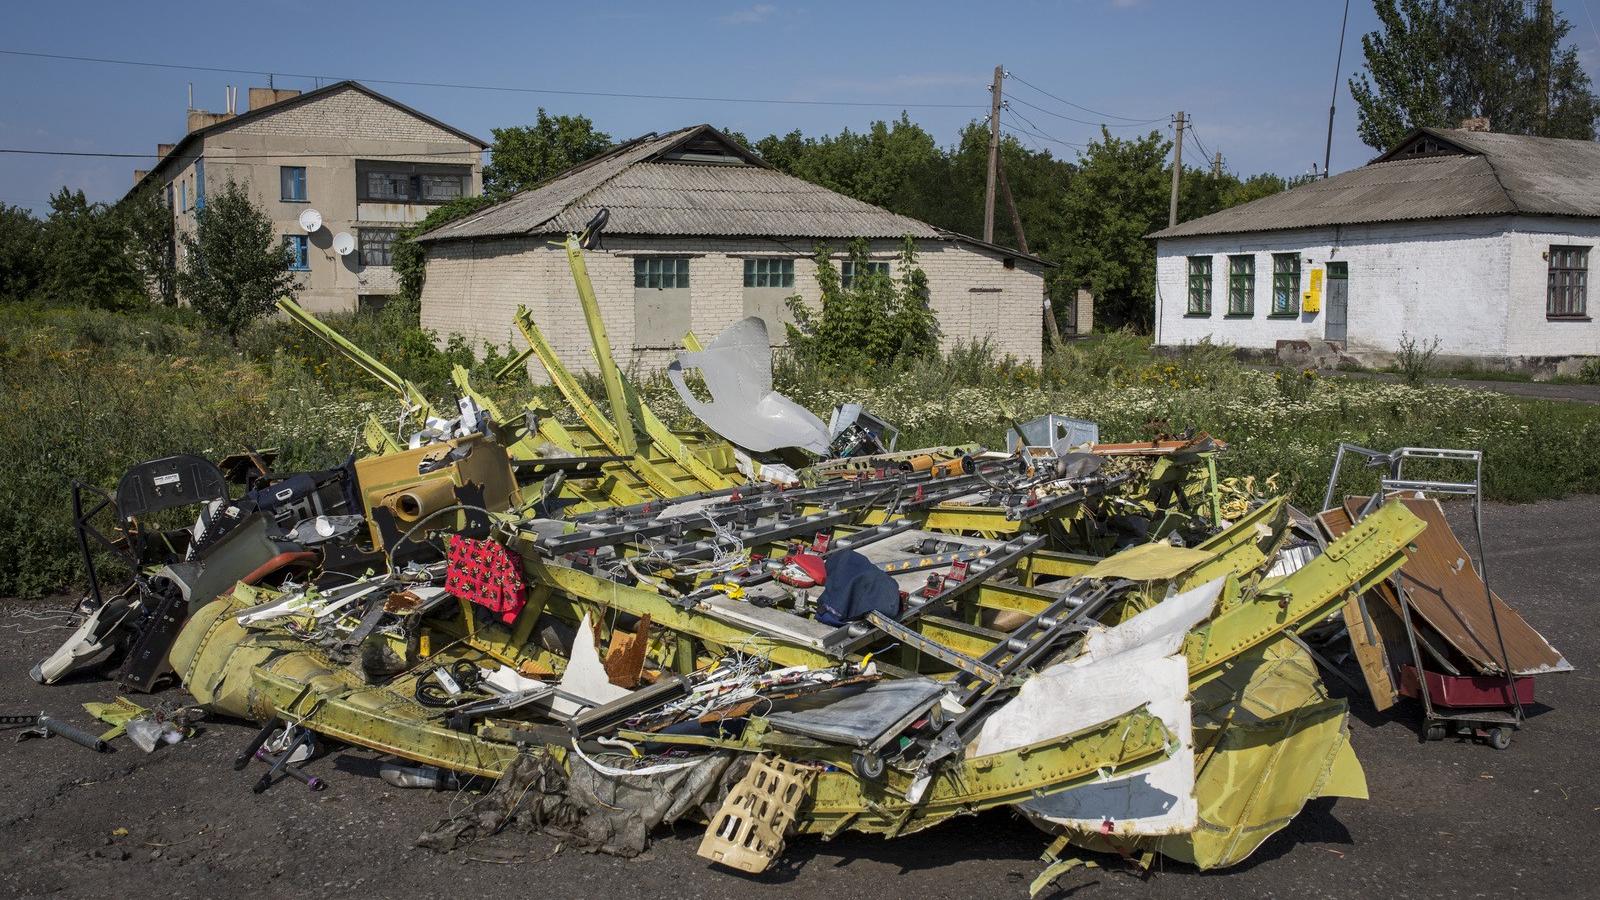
[{"x": 1444, "y": 820}]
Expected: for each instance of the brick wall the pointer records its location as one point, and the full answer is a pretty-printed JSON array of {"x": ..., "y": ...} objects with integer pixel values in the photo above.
[
  {"x": 474, "y": 288},
  {"x": 1424, "y": 278},
  {"x": 346, "y": 114}
]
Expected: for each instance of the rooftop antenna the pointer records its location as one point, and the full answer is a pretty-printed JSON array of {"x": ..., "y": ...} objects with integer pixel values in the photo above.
[
  {"x": 191, "y": 95},
  {"x": 1338, "y": 63}
]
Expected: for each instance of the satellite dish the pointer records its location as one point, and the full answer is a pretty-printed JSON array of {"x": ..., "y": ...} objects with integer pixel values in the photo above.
[
  {"x": 343, "y": 243},
  {"x": 311, "y": 221}
]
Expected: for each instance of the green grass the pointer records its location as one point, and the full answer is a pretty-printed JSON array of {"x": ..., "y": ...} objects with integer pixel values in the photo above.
[{"x": 90, "y": 393}]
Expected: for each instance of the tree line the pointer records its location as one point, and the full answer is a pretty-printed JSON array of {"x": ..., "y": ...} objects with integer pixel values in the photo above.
[{"x": 1431, "y": 63}]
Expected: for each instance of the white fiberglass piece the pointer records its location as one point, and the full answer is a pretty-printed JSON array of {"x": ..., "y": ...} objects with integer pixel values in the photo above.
[
  {"x": 1122, "y": 668},
  {"x": 737, "y": 368}
]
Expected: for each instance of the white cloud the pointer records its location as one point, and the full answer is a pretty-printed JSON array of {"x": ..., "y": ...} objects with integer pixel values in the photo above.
[{"x": 758, "y": 13}]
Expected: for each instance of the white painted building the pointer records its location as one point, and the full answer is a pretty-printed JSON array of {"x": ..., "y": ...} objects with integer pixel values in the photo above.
[
  {"x": 1479, "y": 239},
  {"x": 702, "y": 234}
]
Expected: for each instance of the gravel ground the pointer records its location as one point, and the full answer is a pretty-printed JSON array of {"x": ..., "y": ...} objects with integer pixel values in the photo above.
[{"x": 1445, "y": 819}]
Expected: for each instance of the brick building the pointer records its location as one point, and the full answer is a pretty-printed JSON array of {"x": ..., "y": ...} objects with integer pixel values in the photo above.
[
  {"x": 366, "y": 164},
  {"x": 702, "y": 233},
  {"x": 1479, "y": 239}
]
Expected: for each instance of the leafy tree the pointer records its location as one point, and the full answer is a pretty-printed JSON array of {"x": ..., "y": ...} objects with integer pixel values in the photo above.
[
  {"x": 1436, "y": 62},
  {"x": 526, "y": 155},
  {"x": 878, "y": 321},
  {"x": 1119, "y": 195},
  {"x": 147, "y": 225},
  {"x": 22, "y": 266},
  {"x": 408, "y": 257},
  {"x": 85, "y": 251},
  {"x": 234, "y": 267}
]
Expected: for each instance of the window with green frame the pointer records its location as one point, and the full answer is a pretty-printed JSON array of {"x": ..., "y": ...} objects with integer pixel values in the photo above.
[
  {"x": 1285, "y": 284},
  {"x": 1199, "y": 285},
  {"x": 1241, "y": 285}
]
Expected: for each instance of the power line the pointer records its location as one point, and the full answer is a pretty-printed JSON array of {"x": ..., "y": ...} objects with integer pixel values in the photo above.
[
  {"x": 1040, "y": 132},
  {"x": 1200, "y": 145},
  {"x": 89, "y": 153},
  {"x": 1042, "y": 136},
  {"x": 1135, "y": 119},
  {"x": 1050, "y": 112},
  {"x": 488, "y": 87}
]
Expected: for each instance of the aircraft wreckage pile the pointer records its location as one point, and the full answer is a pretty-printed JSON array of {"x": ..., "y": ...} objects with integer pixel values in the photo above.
[{"x": 783, "y": 628}]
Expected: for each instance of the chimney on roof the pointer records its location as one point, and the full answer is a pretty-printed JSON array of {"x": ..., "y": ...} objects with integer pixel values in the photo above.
[
  {"x": 266, "y": 96},
  {"x": 199, "y": 118},
  {"x": 1476, "y": 123},
  {"x": 139, "y": 174},
  {"x": 163, "y": 149}
]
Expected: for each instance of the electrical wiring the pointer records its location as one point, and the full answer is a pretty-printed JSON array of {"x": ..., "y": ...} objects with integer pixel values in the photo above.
[
  {"x": 461, "y": 86},
  {"x": 1020, "y": 80}
]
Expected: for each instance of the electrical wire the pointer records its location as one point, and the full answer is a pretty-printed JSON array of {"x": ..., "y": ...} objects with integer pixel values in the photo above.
[
  {"x": 93, "y": 154},
  {"x": 1021, "y": 80},
  {"x": 1050, "y": 112},
  {"x": 1040, "y": 135},
  {"x": 462, "y": 86}
]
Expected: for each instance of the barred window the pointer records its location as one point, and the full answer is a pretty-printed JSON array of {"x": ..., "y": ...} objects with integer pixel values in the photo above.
[
  {"x": 769, "y": 273},
  {"x": 377, "y": 246},
  {"x": 1567, "y": 293},
  {"x": 1285, "y": 284},
  {"x": 661, "y": 272},
  {"x": 847, "y": 271},
  {"x": 1199, "y": 285},
  {"x": 1241, "y": 285}
]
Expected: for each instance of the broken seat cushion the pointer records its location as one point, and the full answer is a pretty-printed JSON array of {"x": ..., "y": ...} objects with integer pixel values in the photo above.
[
  {"x": 484, "y": 573},
  {"x": 856, "y": 587}
]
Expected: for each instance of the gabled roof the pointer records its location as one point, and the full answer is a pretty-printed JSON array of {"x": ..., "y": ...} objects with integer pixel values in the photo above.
[
  {"x": 182, "y": 147},
  {"x": 695, "y": 181},
  {"x": 1434, "y": 173}
]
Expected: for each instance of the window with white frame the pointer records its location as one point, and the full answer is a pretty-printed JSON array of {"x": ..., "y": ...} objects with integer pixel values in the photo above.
[{"x": 299, "y": 252}]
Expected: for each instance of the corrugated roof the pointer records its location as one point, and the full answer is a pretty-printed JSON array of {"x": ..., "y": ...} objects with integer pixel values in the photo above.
[
  {"x": 649, "y": 193},
  {"x": 1474, "y": 173}
]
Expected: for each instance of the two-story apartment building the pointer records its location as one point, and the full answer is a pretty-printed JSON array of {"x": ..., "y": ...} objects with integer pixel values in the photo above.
[{"x": 344, "y": 159}]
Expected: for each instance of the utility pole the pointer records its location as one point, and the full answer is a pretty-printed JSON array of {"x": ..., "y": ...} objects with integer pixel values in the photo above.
[
  {"x": 1338, "y": 63},
  {"x": 1177, "y": 170},
  {"x": 994, "y": 154},
  {"x": 1546, "y": 28},
  {"x": 1216, "y": 165}
]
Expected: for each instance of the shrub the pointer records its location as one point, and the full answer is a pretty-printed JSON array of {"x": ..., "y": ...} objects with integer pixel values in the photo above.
[
  {"x": 877, "y": 321},
  {"x": 1417, "y": 360},
  {"x": 1590, "y": 373}
]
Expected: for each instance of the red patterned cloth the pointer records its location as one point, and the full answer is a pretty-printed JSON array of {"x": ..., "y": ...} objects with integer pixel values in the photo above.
[{"x": 484, "y": 573}]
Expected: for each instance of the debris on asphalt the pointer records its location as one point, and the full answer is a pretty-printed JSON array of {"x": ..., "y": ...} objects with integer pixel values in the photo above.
[{"x": 782, "y": 628}]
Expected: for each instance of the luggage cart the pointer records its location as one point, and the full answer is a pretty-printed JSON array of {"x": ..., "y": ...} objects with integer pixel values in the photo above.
[{"x": 1486, "y": 707}]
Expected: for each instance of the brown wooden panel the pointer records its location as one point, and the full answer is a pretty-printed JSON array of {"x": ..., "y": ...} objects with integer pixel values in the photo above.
[{"x": 1446, "y": 592}]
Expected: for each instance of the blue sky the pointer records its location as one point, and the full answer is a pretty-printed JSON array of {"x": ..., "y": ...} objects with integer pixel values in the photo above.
[{"x": 1254, "y": 76}]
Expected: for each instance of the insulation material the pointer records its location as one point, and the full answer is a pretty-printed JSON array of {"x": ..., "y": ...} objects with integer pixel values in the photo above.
[{"x": 1137, "y": 663}]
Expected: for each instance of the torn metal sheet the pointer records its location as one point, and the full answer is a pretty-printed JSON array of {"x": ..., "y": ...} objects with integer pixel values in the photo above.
[
  {"x": 737, "y": 368},
  {"x": 1446, "y": 591}
]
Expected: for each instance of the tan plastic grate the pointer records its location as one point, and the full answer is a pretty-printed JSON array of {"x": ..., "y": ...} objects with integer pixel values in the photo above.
[{"x": 747, "y": 832}]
